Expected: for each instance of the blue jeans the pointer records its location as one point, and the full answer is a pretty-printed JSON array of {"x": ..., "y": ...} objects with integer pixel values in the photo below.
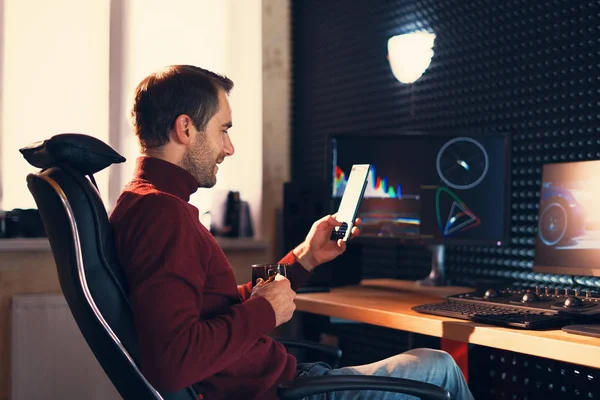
[{"x": 425, "y": 365}]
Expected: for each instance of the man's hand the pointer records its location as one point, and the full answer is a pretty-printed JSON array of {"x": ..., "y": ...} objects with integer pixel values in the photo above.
[
  {"x": 317, "y": 248},
  {"x": 281, "y": 296}
]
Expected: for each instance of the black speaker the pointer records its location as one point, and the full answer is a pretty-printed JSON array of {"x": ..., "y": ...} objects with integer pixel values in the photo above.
[
  {"x": 303, "y": 204},
  {"x": 22, "y": 223}
]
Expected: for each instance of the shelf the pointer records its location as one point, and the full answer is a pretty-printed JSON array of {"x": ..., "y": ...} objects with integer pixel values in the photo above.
[
  {"x": 241, "y": 244},
  {"x": 42, "y": 244},
  {"x": 24, "y": 245}
]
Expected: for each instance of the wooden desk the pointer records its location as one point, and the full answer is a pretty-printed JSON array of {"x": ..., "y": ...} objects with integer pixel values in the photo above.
[{"x": 388, "y": 303}]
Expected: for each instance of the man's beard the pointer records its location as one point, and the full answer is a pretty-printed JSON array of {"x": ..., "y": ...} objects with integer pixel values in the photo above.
[{"x": 199, "y": 162}]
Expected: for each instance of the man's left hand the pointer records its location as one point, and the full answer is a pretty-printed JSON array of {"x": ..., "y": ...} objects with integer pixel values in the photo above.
[{"x": 318, "y": 248}]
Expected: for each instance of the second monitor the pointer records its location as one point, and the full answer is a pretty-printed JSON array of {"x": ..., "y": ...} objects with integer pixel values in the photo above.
[{"x": 568, "y": 237}]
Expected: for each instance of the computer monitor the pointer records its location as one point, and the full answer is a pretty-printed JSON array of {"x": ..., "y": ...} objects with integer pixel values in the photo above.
[
  {"x": 428, "y": 188},
  {"x": 568, "y": 235}
]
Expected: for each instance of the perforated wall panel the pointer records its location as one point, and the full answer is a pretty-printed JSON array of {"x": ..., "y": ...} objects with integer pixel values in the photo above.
[
  {"x": 500, "y": 374},
  {"x": 527, "y": 67}
]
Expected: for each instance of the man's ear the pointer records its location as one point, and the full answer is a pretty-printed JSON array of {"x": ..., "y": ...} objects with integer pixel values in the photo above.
[{"x": 182, "y": 129}]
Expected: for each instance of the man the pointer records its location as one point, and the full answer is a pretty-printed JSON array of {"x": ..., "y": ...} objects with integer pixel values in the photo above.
[{"x": 195, "y": 326}]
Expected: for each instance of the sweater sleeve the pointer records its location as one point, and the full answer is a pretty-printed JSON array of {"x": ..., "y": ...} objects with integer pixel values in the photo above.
[
  {"x": 177, "y": 347},
  {"x": 298, "y": 275}
]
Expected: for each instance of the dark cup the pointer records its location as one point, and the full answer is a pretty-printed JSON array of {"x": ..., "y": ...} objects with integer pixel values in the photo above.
[{"x": 265, "y": 271}]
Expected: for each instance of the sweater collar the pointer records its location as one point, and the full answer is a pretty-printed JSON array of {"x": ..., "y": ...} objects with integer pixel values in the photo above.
[{"x": 166, "y": 177}]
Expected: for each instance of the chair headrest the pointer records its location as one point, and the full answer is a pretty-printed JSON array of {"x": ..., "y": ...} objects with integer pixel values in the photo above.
[{"x": 83, "y": 153}]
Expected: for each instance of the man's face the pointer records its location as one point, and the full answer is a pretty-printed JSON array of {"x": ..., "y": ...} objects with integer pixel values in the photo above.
[{"x": 210, "y": 147}]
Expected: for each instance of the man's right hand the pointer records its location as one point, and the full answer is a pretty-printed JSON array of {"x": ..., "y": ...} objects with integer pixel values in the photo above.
[{"x": 281, "y": 296}]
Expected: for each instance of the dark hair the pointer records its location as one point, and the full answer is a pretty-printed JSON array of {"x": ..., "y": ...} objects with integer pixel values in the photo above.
[{"x": 179, "y": 89}]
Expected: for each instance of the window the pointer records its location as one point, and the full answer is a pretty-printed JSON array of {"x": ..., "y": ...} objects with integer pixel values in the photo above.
[{"x": 72, "y": 66}]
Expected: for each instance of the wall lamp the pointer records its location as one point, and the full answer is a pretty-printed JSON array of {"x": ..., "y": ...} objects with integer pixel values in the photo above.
[{"x": 410, "y": 54}]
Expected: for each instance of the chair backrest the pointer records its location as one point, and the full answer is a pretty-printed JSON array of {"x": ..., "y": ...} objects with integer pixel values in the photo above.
[{"x": 90, "y": 276}]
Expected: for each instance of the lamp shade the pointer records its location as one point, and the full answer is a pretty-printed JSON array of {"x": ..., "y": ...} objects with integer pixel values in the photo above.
[{"x": 410, "y": 55}]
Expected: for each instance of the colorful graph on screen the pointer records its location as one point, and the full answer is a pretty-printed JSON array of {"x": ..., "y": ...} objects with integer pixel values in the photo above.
[
  {"x": 458, "y": 215},
  {"x": 377, "y": 186}
]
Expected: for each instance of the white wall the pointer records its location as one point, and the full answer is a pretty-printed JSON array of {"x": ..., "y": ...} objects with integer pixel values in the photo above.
[
  {"x": 159, "y": 33},
  {"x": 72, "y": 66},
  {"x": 54, "y": 80},
  {"x": 223, "y": 36},
  {"x": 243, "y": 171}
]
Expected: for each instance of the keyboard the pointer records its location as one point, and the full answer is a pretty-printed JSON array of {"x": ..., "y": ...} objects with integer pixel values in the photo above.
[{"x": 496, "y": 314}]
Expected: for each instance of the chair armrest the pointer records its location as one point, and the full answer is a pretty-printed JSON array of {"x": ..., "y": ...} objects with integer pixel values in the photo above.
[
  {"x": 331, "y": 351},
  {"x": 300, "y": 388}
]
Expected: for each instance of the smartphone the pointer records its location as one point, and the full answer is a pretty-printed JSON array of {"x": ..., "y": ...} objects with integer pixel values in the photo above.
[{"x": 353, "y": 194}]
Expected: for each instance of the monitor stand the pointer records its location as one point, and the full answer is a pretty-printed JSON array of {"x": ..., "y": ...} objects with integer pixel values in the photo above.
[{"x": 437, "y": 276}]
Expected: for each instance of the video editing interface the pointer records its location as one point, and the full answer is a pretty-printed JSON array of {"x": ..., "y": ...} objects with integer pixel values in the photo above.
[
  {"x": 428, "y": 187},
  {"x": 569, "y": 216}
]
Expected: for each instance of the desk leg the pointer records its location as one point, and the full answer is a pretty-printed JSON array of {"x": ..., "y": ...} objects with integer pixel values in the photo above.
[{"x": 460, "y": 352}]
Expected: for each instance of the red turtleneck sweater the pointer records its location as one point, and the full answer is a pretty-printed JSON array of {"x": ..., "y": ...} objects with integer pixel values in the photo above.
[{"x": 194, "y": 324}]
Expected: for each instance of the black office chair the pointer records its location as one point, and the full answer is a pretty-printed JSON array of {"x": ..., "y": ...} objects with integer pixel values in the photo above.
[{"x": 95, "y": 286}]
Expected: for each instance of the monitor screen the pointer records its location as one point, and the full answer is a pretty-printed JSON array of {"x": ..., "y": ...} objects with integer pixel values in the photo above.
[
  {"x": 434, "y": 188},
  {"x": 568, "y": 234}
]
